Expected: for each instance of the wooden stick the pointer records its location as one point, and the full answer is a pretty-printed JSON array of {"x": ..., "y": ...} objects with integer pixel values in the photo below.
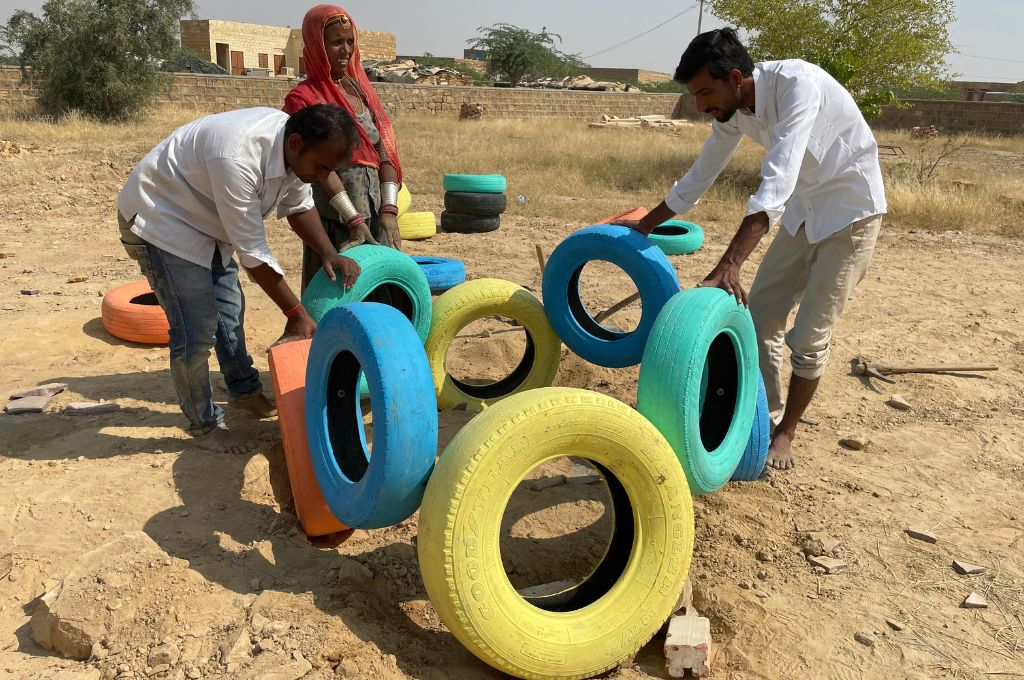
[
  {"x": 617, "y": 306},
  {"x": 540, "y": 258},
  {"x": 895, "y": 370}
]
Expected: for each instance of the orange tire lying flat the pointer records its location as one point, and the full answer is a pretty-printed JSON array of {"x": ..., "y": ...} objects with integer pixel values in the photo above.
[
  {"x": 131, "y": 312},
  {"x": 288, "y": 373},
  {"x": 634, "y": 214}
]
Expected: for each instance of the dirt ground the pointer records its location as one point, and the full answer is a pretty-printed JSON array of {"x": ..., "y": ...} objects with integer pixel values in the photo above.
[{"x": 952, "y": 465}]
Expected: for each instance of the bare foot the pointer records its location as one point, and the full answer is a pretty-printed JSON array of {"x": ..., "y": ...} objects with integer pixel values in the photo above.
[
  {"x": 780, "y": 453},
  {"x": 223, "y": 440},
  {"x": 256, "y": 404}
]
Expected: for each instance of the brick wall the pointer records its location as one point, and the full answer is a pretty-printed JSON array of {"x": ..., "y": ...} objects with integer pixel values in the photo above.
[
  {"x": 957, "y": 116},
  {"x": 252, "y": 40},
  {"x": 218, "y": 93}
]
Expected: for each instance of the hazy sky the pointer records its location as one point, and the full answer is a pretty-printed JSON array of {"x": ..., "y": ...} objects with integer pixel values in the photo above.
[{"x": 986, "y": 29}]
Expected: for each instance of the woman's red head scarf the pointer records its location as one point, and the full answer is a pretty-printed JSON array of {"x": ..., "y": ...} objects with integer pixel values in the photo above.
[{"x": 319, "y": 87}]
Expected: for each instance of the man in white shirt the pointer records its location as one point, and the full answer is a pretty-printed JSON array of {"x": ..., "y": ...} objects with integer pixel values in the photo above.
[
  {"x": 820, "y": 178},
  {"x": 198, "y": 197}
]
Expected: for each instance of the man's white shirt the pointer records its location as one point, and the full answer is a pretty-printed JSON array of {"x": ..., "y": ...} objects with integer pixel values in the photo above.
[
  {"x": 821, "y": 167},
  {"x": 211, "y": 183}
]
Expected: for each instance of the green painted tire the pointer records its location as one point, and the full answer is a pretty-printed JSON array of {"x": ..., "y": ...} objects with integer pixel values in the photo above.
[
  {"x": 477, "y": 184},
  {"x": 702, "y": 335},
  {"x": 676, "y": 237},
  {"x": 388, "y": 276}
]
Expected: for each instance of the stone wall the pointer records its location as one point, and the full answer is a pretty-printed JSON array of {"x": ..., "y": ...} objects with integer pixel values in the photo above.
[
  {"x": 956, "y": 116},
  {"x": 205, "y": 94},
  {"x": 634, "y": 76}
]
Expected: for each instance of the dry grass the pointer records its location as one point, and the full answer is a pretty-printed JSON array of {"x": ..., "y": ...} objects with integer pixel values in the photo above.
[{"x": 568, "y": 171}]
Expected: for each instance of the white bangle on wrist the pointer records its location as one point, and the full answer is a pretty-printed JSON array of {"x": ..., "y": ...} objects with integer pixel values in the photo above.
[{"x": 343, "y": 204}]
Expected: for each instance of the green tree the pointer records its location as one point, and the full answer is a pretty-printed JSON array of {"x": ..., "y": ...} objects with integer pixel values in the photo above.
[
  {"x": 513, "y": 52},
  {"x": 872, "y": 47},
  {"x": 96, "y": 56}
]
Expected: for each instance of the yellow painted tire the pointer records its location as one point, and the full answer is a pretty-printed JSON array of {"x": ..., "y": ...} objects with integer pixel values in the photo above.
[
  {"x": 460, "y": 524},
  {"x": 404, "y": 200},
  {"x": 467, "y": 302},
  {"x": 414, "y": 226}
]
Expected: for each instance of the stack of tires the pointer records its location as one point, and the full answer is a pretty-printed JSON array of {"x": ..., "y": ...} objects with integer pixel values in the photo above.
[{"x": 473, "y": 204}]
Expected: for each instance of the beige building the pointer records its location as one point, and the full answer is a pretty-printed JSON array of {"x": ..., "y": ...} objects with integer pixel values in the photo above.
[{"x": 241, "y": 48}]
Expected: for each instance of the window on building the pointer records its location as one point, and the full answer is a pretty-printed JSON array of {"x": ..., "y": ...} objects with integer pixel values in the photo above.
[{"x": 264, "y": 61}]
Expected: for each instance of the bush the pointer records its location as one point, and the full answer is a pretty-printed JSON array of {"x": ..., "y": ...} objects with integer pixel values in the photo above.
[{"x": 96, "y": 56}]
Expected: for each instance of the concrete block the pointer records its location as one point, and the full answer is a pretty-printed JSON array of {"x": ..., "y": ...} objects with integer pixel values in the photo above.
[{"x": 688, "y": 646}]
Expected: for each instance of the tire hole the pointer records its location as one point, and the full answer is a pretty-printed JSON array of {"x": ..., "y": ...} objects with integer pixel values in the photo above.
[
  {"x": 144, "y": 299},
  {"x": 394, "y": 296},
  {"x": 719, "y": 388},
  {"x": 350, "y": 442},
  {"x": 596, "y": 286},
  {"x": 564, "y": 546},
  {"x": 490, "y": 357}
]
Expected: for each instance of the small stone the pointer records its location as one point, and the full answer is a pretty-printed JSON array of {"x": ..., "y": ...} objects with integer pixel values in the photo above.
[
  {"x": 688, "y": 646},
  {"x": 547, "y": 482},
  {"x": 47, "y": 390},
  {"x": 193, "y": 674},
  {"x": 919, "y": 535},
  {"x": 167, "y": 654},
  {"x": 897, "y": 402},
  {"x": 831, "y": 565},
  {"x": 157, "y": 670},
  {"x": 762, "y": 575},
  {"x": 975, "y": 601},
  {"x": 90, "y": 408},
  {"x": 579, "y": 480},
  {"x": 353, "y": 571},
  {"x": 348, "y": 668},
  {"x": 855, "y": 442},
  {"x": 258, "y": 623},
  {"x": 27, "y": 405},
  {"x": 895, "y": 625},
  {"x": 763, "y": 556},
  {"x": 745, "y": 585},
  {"x": 276, "y": 628},
  {"x": 237, "y": 648},
  {"x": 254, "y": 584},
  {"x": 866, "y": 639},
  {"x": 81, "y": 278},
  {"x": 761, "y": 594},
  {"x": 267, "y": 645},
  {"x": 967, "y": 569},
  {"x": 30, "y": 291}
]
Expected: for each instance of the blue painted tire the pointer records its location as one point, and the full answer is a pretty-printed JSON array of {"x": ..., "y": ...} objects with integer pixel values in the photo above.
[
  {"x": 364, "y": 491},
  {"x": 702, "y": 333},
  {"x": 677, "y": 237},
  {"x": 639, "y": 258},
  {"x": 388, "y": 276},
  {"x": 756, "y": 454},
  {"x": 442, "y": 272},
  {"x": 475, "y": 184}
]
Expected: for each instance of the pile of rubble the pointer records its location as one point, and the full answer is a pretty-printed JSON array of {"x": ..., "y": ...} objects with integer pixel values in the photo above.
[
  {"x": 9, "y": 148},
  {"x": 924, "y": 132},
  {"x": 573, "y": 83},
  {"x": 408, "y": 71},
  {"x": 652, "y": 121}
]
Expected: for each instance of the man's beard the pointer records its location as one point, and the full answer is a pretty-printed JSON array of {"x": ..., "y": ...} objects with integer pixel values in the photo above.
[{"x": 727, "y": 117}]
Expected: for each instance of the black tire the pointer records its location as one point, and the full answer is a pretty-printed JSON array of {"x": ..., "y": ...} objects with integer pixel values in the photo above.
[
  {"x": 468, "y": 224},
  {"x": 469, "y": 203}
]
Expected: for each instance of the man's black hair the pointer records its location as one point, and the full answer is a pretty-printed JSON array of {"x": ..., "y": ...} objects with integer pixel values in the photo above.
[
  {"x": 720, "y": 51},
  {"x": 321, "y": 122}
]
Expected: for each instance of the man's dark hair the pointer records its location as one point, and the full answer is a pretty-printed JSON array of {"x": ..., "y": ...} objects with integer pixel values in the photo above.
[
  {"x": 720, "y": 51},
  {"x": 321, "y": 122}
]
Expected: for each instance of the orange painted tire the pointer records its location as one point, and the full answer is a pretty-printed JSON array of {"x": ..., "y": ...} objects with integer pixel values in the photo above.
[
  {"x": 131, "y": 312},
  {"x": 288, "y": 374},
  {"x": 634, "y": 214}
]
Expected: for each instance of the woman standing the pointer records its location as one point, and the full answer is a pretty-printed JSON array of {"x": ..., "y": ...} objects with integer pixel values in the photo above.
[{"x": 358, "y": 203}]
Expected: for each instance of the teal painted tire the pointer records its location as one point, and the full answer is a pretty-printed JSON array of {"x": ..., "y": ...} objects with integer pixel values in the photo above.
[
  {"x": 702, "y": 336},
  {"x": 676, "y": 237},
  {"x": 388, "y": 276},
  {"x": 476, "y": 184}
]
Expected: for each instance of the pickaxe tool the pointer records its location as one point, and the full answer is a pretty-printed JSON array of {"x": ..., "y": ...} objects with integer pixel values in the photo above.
[{"x": 880, "y": 371}]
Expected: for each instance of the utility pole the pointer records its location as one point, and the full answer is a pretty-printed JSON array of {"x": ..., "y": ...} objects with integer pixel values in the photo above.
[{"x": 700, "y": 16}]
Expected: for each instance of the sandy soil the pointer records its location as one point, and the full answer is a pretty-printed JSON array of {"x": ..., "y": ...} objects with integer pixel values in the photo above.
[{"x": 952, "y": 465}]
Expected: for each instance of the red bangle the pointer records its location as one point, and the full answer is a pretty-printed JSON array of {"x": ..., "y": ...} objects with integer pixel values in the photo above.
[
  {"x": 389, "y": 210},
  {"x": 355, "y": 220},
  {"x": 294, "y": 311}
]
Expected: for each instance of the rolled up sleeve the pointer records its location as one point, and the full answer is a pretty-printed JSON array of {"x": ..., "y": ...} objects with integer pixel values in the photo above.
[
  {"x": 297, "y": 199},
  {"x": 718, "y": 149},
  {"x": 234, "y": 187},
  {"x": 798, "y": 102}
]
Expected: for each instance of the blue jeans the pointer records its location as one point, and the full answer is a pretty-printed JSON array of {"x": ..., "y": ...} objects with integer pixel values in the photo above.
[{"x": 205, "y": 309}]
